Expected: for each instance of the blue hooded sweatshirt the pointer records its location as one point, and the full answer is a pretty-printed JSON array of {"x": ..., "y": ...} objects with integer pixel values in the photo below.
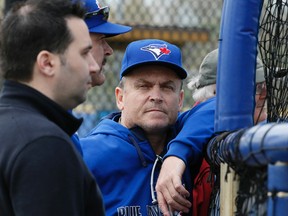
[{"x": 122, "y": 160}]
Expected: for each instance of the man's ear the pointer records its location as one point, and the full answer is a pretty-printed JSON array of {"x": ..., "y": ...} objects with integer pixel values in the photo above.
[
  {"x": 119, "y": 98},
  {"x": 181, "y": 99},
  {"x": 46, "y": 62}
]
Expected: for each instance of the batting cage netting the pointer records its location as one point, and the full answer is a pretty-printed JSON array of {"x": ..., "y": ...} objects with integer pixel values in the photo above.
[{"x": 257, "y": 155}]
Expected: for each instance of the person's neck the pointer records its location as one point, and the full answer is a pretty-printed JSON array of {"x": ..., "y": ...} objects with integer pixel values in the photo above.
[{"x": 158, "y": 142}]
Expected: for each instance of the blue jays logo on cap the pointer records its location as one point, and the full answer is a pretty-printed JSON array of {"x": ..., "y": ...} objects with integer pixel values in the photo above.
[{"x": 157, "y": 50}]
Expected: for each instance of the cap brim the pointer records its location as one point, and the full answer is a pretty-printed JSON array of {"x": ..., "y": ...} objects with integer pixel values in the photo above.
[
  {"x": 110, "y": 29},
  {"x": 181, "y": 73}
]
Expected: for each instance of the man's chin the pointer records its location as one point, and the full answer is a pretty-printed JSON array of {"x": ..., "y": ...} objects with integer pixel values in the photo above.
[
  {"x": 156, "y": 126},
  {"x": 99, "y": 82}
]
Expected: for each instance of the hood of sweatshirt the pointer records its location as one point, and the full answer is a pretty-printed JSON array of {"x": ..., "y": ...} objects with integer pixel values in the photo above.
[{"x": 109, "y": 126}]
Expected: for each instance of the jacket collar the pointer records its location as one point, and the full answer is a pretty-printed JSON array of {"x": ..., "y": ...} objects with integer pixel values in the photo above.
[{"x": 20, "y": 95}]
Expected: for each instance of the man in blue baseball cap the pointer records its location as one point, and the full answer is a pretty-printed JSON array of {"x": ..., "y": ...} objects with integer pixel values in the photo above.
[
  {"x": 125, "y": 150},
  {"x": 96, "y": 19},
  {"x": 100, "y": 28}
]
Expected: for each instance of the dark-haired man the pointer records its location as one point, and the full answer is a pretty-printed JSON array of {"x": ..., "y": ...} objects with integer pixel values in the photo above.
[{"x": 47, "y": 64}]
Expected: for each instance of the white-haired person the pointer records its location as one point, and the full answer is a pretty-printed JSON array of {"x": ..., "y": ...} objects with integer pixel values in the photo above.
[{"x": 203, "y": 87}]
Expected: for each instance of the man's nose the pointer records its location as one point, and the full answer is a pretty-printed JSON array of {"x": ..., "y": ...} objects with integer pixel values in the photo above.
[
  {"x": 108, "y": 49},
  {"x": 156, "y": 94},
  {"x": 93, "y": 65}
]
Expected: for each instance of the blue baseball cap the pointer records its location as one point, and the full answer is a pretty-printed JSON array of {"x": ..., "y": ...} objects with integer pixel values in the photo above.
[
  {"x": 97, "y": 20},
  {"x": 152, "y": 51}
]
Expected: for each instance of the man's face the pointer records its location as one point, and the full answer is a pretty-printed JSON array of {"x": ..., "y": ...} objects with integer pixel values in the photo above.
[
  {"x": 76, "y": 66},
  {"x": 151, "y": 98},
  {"x": 100, "y": 51}
]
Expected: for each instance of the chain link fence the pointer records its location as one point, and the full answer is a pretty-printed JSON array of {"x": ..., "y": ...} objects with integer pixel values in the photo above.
[{"x": 191, "y": 24}]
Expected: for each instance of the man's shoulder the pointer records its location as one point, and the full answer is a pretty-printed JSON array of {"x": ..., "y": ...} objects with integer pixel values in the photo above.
[
  {"x": 209, "y": 103},
  {"x": 23, "y": 131},
  {"x": 25, "y": 126},
  {"x": 107, "y": 127}
]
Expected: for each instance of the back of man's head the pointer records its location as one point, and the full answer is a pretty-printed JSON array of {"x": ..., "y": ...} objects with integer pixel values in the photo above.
[{"x": 30, "y": 27}]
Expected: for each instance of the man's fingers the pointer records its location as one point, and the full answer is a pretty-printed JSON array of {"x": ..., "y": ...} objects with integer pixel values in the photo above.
[
  {"x": 179, "y": 203},
  {"x": 169, "y": 197},
  {"x": 179, "y": 187},
  {"x": 163, "y": 205},
  {"x": 170, "y": 191}
]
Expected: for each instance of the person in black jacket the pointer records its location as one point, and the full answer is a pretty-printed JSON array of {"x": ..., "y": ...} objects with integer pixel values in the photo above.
[{"x": 47, "y": 64}]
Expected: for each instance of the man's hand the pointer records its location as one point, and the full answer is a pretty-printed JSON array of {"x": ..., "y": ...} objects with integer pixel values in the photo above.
[{"x": 170, "y": 191}]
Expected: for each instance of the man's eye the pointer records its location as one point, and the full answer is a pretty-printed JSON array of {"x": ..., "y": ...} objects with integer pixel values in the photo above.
[
  {"x": 143, "y": 86},
  {"x": 85, "y": 53},
  {"x": 169, "y": 87}
]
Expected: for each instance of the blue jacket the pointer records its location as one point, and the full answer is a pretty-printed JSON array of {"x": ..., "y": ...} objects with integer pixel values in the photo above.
[
  {"x": 121, "y": 159},
  {"x": 194, "y": 128}
]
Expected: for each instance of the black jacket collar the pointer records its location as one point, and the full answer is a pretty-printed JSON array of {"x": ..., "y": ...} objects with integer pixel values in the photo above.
[{"x": 20, "y": 95}]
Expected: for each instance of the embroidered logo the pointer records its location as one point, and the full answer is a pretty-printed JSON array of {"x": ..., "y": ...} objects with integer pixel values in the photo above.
[{"x": 157, "y": 50}]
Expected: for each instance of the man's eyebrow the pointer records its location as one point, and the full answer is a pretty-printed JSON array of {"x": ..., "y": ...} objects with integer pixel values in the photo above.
[
  {"x": 88, "y": 47},
  {"x": 141, "y": 80},
  {"x": 167, "y": 82}
]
